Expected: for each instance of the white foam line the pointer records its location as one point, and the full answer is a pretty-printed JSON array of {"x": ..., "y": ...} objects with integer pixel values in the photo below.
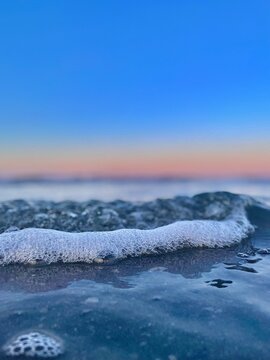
[{"x": 50, "y": 246}]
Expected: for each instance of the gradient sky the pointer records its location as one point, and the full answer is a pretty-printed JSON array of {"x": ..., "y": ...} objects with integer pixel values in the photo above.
[{"x": 135, "y": 87}]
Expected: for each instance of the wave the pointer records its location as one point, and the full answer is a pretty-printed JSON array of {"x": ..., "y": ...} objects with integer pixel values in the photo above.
[{"x": 212, "y": 220}]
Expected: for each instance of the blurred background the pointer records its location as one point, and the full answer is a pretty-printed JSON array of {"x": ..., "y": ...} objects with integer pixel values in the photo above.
[{"x": 136, "y": 100}]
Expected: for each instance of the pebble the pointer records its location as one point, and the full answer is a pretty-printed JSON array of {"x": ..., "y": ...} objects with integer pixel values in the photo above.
[
  {"x": 11, "y": 229},
  {"x": 264, "y": 251},
  {"x": 242, "y": 255}
]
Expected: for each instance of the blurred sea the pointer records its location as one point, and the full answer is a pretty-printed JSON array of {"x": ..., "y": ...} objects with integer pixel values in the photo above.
[{"x": 125, "y": 189}]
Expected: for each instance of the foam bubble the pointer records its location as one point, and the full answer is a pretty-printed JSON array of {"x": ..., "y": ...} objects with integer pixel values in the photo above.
[
  {"x": 32, "y": 246},
  {"x": 34, "y": 344}
]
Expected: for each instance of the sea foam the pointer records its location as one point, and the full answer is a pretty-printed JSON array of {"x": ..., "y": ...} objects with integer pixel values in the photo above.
[{"x": 32, "y": 245}]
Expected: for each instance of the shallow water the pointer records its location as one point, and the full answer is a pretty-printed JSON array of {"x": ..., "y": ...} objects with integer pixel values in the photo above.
[
  {"x": 125, "y": 189},
  {"x": 191, "y": 304}
]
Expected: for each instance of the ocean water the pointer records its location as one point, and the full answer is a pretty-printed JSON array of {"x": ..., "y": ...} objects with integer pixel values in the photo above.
[
  {"x": 133, "y": 189},
  {"x": 202, "y": 292}
]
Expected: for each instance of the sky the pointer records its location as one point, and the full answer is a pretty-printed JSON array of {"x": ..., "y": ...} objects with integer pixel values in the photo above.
[{"x": 135, "y": 88}]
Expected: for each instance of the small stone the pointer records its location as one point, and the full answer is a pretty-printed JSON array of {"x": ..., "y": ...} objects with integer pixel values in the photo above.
[
  {"x": 264, "y": 251},
  {"x": 11, "y": 229},
  {"x": 242, "y": 255},
  {"x": 158, "y": 268}
]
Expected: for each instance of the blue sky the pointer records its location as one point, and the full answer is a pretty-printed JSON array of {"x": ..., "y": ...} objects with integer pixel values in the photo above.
[{"x": 133, "y": 73}]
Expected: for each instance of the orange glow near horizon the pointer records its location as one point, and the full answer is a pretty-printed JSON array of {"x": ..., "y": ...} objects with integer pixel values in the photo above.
[{"x": 205, "y": 162}]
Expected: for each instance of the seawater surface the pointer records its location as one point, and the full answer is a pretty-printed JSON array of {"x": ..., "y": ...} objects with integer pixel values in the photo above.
[
  {"x": 191, "y": 303},
  {"x": 195, "y": 304},
  {"x": 125, "y": 189}
]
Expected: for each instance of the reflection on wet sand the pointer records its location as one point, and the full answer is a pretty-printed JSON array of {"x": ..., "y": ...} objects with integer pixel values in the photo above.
[
  {"x": 219, "y": 283},
  {"x": 190, "y": 263}
]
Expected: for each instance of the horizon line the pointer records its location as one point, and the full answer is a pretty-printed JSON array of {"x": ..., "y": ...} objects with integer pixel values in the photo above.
[{"x": 85, "y": 178}]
